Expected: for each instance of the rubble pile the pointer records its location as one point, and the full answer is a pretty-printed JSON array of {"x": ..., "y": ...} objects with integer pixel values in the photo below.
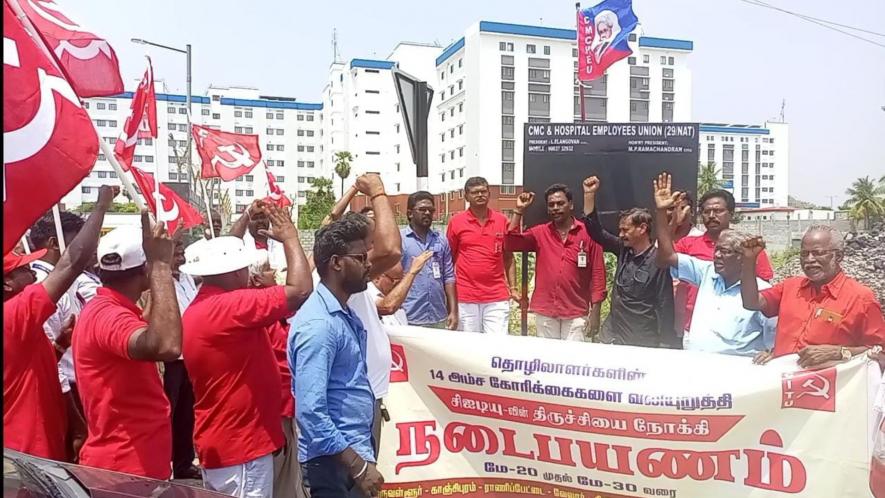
[{"x": 864, "y": 260}]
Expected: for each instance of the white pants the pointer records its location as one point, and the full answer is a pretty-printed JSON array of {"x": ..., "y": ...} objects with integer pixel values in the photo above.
[
  {"x": 489, "y": 318},
  {"x": 253, "y": 479},
  {"x": 571, "y": 329}
]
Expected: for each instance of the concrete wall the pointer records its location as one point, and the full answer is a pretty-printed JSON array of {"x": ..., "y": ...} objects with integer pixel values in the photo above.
[{"x": 781, "y": 234}]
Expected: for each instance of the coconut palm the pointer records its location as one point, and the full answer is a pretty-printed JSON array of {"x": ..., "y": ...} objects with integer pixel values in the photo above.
[
  {"x": 342, "y": 167},
  {"x": 709, "y": 178},
  {"x": 866, "y": 201}
]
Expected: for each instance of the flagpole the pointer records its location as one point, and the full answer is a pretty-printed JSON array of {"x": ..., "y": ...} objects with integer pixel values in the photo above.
[
  {"x": 208, "y": 210},
  {"x": 59, "y": 232},
  {"x": 25, "y": 245},
  {"x": 124, "y": 178},
  {"x": 157, "y": 200}
]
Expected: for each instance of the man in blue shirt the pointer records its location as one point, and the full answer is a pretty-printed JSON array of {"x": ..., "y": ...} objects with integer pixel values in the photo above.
[
  {"x": 327, "y": 356},
  {"x": 720, "y": 323},
  {"x": 431, "y": 302}
]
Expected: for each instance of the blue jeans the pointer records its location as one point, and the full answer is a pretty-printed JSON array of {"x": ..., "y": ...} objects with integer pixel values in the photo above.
[{"x": 326, "y": 478}]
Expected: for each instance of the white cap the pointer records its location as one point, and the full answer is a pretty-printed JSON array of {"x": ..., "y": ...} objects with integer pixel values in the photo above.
[
  {"x": 120, "y": 249},
  {"x": 216, "y": 256}
]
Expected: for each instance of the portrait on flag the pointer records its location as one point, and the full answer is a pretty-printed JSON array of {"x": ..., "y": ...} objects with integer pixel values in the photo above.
[
  {"x": 603, "y": 32},
  {"x": 224, "y": 154},
  {"x": 49, "y": 143}
]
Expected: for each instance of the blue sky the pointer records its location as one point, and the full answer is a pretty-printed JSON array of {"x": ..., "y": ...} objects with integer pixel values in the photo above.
[{"x": 746, "y": 59}]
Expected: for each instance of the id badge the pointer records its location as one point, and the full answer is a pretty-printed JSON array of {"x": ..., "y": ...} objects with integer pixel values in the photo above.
[
  {"x": 582, "y": 259},
  {"x": 437, "y": 272}
]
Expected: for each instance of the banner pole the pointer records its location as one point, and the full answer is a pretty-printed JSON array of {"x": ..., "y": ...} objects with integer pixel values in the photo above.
[
  {"x": 59, "y": 233},
  {"x": 122, "y": 175},
  {"x": 523, "y": 292}
]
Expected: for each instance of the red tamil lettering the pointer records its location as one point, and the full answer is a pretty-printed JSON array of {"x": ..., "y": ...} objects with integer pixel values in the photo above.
[
  {"x": 595, "y": 456},
  {"x": 414, "y": 439},
  {"x": 565, "y": 450},
  {"x": 777, "y": 465},
  {"x": 510, "y": 445}
]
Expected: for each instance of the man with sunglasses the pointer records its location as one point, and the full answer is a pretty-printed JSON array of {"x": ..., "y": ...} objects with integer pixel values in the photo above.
[
  {"x": 824, "y": 316},
  {"x": 723, "y": 325},
  {"x": 328, "y": 346},
  {"x": 642, "y": 294}
]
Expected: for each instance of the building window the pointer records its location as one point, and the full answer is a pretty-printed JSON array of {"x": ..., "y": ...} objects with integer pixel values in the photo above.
[
  {"x": 238, "y": 129},
  {"x": 663, "y": 59},
  {"x": 85, "y": 190},
  {"x": 373, "y": 91},
  {"x": 546, "y": 49},
  {"x": 461, "y": 107},
  {"x": 507, "y": 150},
  {"x": 216, "y": 115},
  {"x": 300, "y": 117},
  {"x": 100, "y": 106},
  {"x": 112, "y": 106},
  {"x": 204, "y": 112},
  {"x": 372, "y": 112},
  {"x": 86, "y": 105},
  {"x": 460, "y": 129},
  {"x": 373, "y": 133},
  {"x": 530, "y": 49},
  {"x": 670, "y": 61},
  {"x": 631, "y": 61},
  {"x": 280, "y": 131}
]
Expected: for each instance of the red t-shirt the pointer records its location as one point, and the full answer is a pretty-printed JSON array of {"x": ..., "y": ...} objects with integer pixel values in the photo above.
[
  {"x": 279, "y": 336},
  {"x": 232, "y": 367},
  {"x": 562, "y": 289},
  {"x": 35, "y": 417},
  {"x": 478, "y": 251},
  {"x": 702, "y": 247},
  {"x": 127, "y": 412},
  {"x": 843, "y": 313}
]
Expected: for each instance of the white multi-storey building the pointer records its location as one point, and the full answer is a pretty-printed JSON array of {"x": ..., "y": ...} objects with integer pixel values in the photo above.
[
  {"x": 500, "y": 76},
  {"x": 487, "y": 85},
  {"x": 291, "y": 139},
  {"x": 753, "y": 161}
]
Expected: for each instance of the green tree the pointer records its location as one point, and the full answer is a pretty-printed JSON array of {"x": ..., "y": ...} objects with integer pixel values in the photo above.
[
  {"x": 320, "y": 201},
  {"x": 342, "y": 167},
  {"x": 709, "y": 178},
  {"x": 865, "y": 200}
]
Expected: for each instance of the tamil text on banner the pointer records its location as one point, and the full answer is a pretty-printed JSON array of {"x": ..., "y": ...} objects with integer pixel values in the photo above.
[
  {"x": 603, "y": 32},
  {"x": 477, "y": 415}
]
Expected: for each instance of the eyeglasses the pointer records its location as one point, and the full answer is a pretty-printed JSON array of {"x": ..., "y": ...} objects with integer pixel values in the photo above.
[
  {"x": 362, "y": 258},
  {"x": 714, "y": 212},
  {"x": 816, "y": 254}
]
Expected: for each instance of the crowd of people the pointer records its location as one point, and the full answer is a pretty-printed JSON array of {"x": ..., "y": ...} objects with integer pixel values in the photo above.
[{"x": 129, "y": 351}]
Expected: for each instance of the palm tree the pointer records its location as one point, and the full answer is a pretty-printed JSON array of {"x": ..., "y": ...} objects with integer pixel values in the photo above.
[
  {"x": 708, "y": 178},
  {"x": 865, "y": 200},
  {"x": 342, "y": 166}
]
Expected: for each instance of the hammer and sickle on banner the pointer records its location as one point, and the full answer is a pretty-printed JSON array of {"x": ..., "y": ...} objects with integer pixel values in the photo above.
[
  {"x": 240, "y": 155},
  {"x": 817, "y": 386},
  {"x": 163, "y": 214},
  {"x": 396, "y": 362},
  {"x": 30, "y": 139}
]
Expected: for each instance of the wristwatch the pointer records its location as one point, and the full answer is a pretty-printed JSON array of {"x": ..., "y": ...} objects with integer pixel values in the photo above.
[{"x": 845, "y": 352}]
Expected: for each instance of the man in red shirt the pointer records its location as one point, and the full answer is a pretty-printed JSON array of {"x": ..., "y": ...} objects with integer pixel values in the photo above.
[
  {"x": 825, "y": 315},
  {"x": 482, "y": 267},
  {"x": 717, "y": 209},
  {"x": 570, "y": 269},
  {"x": 35, "y": 413},
  {"x": 228, "y": 355},
  {"x": 116, "y": 348}
]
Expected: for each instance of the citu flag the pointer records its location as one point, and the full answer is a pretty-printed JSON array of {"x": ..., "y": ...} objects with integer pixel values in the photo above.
[
  {"x": 142, "y": 120},
  {"x": 275, "y": 192},
  {"x": 603, "y": 32},
  {"x": 226, "y": 155},
  {"x": 88, "y": 60},
  {"x": 49, "y": 143},
  {"x": 170, "y": 208}
]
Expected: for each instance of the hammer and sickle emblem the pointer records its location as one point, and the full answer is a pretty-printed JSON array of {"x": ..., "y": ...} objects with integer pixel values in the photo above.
[
  {"x": 396, "y": 363},
  {"x": 163, "y": 215},
  {"x": 817, "y": 386},
  {"x": 239, "y": 154},
  {"x": 30, "y": 139}
]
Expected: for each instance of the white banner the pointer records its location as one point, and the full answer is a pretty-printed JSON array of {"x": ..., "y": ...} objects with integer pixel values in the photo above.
[{"x": 479, "y": 415}]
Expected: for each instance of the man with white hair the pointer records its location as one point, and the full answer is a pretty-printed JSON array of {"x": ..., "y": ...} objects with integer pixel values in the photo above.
[
  {"x": 823, "y": 316},
  {"x": 228, "y": 355},
  {"x": 722, "y": 325}
]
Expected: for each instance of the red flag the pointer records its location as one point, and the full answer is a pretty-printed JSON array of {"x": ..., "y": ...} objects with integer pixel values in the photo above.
[
  {"x": 275, "y": 193},
  {"x": 173, "y": 207},
  {"x": 87, "y": 59},
  {"x": 224, "y": 154},
  {"x": 49, "y": 144},
  {"x": 142, "y": 122}
]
